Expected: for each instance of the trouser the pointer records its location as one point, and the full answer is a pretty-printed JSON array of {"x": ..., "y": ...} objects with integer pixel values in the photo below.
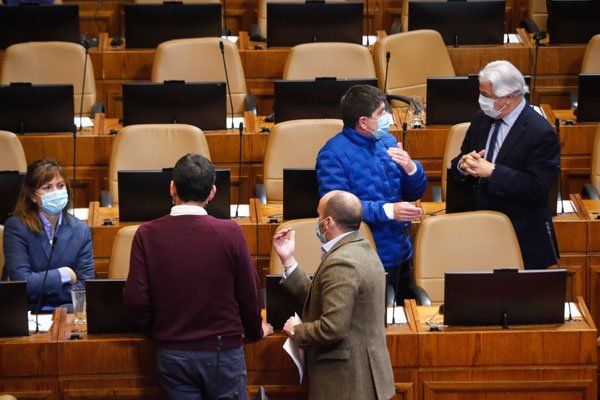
[
  {"x": 203, "y": 375},
  {"x": 398, "y": 279}
]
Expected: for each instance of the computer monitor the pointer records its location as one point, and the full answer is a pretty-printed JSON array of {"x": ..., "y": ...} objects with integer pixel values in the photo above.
[
  {"x": 35, "y": 23},
  {"x": 460, "y": 22},
  {"x": 28, "y": 108},
  {"x": 289, "y": 24},
  {"x": 300, "y": 193},
  {"x": 199, "y": 104},
  {"x": 305, "y": 99},
  {"x": 148, "y": 25},
  {"x": 588, "y": 101},
  {"x": 505, "y": 297},
  {"x": 144, "y": 195},
  {"x": 10, "y": 186},
  {"x": 13, "y": 309},
  {"x": 104, "y": 305},
  {"x": 280, "y": 304},
  {"x": 572, "y": 21}
]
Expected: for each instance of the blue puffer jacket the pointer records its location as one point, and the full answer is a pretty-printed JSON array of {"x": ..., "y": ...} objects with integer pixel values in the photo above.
[{"x": 360, "y": 164}]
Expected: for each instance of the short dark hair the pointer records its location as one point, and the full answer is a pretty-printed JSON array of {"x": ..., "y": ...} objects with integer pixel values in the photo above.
[
  {"x": 345, "y": 209},
  {"x": 194, "y": 176},
  {"x": 358, "y": 101}
]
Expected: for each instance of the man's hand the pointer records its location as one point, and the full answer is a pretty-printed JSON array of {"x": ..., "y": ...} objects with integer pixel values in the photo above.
[
  {"x": 267, "y": 329},
  {"x": 402, "y": 158},
  {"x": 404, "y": 211},
  {"x": 476, "y": 165},
  {"x": 72, "y": 274},
  {"x": 290, "y": 324},
  {"x": 284, "y": 243}
]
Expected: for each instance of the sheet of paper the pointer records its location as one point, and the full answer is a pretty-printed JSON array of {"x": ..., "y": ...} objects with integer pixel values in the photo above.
[
  {"x": 236, "y": 122},
  {"x": 243, "y": 211},
  {"x": 85, "y": 122},
  {"x": 80, "y": 213},
  {"x": 396, "y": 315},
  {"x": 566, "y": 207},
  {"x": 296, "y": 354},
  {"x": 512, "y": 38},
  {"x": 232, "y": 39},
  {"x": 369, "y": 40},
  {"x": 575, "y": 314},
  {"x": 44, "y": 322}
]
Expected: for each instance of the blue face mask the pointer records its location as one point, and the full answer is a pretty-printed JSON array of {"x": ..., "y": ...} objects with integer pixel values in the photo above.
[
  {"x": 54, "y": 202},
  {"x": 320, "y": 235},
  {"x": 383, "y": 126}
]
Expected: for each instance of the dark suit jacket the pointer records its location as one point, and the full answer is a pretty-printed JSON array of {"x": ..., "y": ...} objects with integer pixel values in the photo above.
[
  {"x": 26, "y": 255},
  {"x": 343, "y": 329},
  {"x": 526, "y": 167}
]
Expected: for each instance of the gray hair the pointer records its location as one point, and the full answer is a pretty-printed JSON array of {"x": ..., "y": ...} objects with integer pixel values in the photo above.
[{"x": 505, "y": 78}]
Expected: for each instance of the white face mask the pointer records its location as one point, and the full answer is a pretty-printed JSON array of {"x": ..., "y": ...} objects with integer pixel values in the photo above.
[{"x": 487, "y": 106}]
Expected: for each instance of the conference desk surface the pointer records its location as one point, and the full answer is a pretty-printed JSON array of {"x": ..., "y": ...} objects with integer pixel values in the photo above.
[{"x": 529, "y": 362}]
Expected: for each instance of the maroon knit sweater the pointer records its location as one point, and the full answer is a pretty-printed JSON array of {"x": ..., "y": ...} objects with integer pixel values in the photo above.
[{"x": 192, "y": 280}]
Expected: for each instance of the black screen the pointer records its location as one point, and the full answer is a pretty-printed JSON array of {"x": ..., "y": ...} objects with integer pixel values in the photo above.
[
  {"x": 305, "y": 99},
  {"x": 13, "y": 309},
  {"x": 148, "y": 25},
  {"x": 460, "y": 22},
  {"x": 35, "y": 23},
  {"x": 104, "y": 305},
  {"x": 199, "y": 104},
  {"x": 588, "y": 101},
  {"x": 10, "y": 186},
  {"x": 290, "y": 24},
  {"x": 573, "y": 21},
  {"x": 36, "y": 108},
  {"x": 300, "y": 193}
]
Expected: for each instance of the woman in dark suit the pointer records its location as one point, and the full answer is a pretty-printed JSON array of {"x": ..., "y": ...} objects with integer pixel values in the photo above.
[{"x": 42, "y": 236}]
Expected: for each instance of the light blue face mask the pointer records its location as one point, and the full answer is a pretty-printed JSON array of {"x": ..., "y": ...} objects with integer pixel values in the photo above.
[
  {"x": 320, "y": 235},
  {"x": 54, "y": 202},
  {"x": 383, "y": 126}
]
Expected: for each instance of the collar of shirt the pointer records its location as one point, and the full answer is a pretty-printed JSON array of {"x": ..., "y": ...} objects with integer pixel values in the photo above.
[
  {"x": 512, "y": 116},
  {"x": 186, "y": 209},
  {"x": 329, "y": 245},
  {"x": 48, "y": 225}
]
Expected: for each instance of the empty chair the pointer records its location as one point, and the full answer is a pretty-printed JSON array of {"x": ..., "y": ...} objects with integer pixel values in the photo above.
[
  {"x": 121, "y": 252},
  {"x": 12, "y": 156},
  {"x": 414, "y": 56},
  {"x": 340, "y": 60},
  {"x": 52, "y": 63},
  {"x": 293, "y": 144},
  {"x": 591, "y": 58},
  {"x": 470, "y": 241},
  {"x": 200, "y": 60},
  {"x": 537, "y": 12},
  {"x": 308, "y": 247},
  {"x": 152, "y": 147}
]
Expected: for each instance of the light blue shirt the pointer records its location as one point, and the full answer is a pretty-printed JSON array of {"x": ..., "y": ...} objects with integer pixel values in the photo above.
[
  {"x": 506, "y": 125},
  {"x": 65, "y": 277}
]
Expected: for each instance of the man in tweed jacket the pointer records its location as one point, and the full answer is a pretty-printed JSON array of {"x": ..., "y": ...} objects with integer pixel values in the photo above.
[{"x": 343, "y": 331}]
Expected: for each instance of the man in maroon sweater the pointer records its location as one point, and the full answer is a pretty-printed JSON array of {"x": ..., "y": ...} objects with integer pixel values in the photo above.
[{"x": 192, "y": 285}]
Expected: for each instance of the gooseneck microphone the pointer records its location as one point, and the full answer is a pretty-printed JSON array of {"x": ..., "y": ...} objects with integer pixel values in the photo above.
[
  {"x": 41, "y": 295},
  {"x": 368, "y": 22},
  {"x": 222, "y": 47},
  {"x": 560, "y": 191},
  {"x": 388, "y": 55},
  {"x": 86, "y": 45},
  {"x": 237, "y": 207},
  {"x": 398, "y": 272},
  {"x": 557, "y": 256},
  {"x": 537, "y": 37}
]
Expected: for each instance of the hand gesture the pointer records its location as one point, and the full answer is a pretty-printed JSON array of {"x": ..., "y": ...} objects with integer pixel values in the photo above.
[
  {"x": 284, "y": 243},
  {"x": 402, "y": 158}
]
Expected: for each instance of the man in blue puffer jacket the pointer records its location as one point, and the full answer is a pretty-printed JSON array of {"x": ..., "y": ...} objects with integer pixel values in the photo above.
[{"x": 366, "y": 160}]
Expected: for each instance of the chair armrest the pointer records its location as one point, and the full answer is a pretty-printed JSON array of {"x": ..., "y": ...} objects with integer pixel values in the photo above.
[
  {"x": 529, "y": 25},
  {"x": 97, "y": 108},
  {"x": 250, "y": 103},
  {"x": 260, "y": 193},
  {"x": 436, "y": 194},
  {"x": 591, "y": 192},
  {"x": 255, "y": 34},
  {"x": 398, "y": 97},
  {"x": 421, "y": 296},
  {"x": 105, "y": 199}
]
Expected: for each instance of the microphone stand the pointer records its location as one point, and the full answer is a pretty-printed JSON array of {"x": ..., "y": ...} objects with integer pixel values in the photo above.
[
  {"x": 237, "y": 207},
  {"x": 369, "y": 25},
  {"x": 387, "y": 65},
  {"x": 86, "y": 45},
  {"x": 560, "y": 189},
  {"x": 537, "y": 37},
  {"x": 41, "y": 296},
  {"x": 397, "y": 280},
  {"x": 222, "y": 47}
]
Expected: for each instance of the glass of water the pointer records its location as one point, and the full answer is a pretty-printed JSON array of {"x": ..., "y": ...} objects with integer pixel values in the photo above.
[{"x": 78, "y": 297}]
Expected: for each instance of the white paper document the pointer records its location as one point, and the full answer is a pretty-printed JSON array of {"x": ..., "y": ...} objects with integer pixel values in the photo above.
[
  {"x": 243, "y": 210},
  {"x": 44, "y": 322},
  {"x": 296, "y": 353},
  {"x": 512, "y": 38},
  {"x": 85, "y": 122},
  {"x": 80, "y": 213},
  {"x": 573, "y": 313},
  {"x": 395, "y": 315},
  {"x": 564, "y": 206},
  {"x": 369, "y": 40},
  {"x": 236, "y": 122}
]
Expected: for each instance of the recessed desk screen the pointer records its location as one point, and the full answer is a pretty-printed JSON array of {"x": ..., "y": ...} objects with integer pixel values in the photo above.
[
  {"x": 10, "y": 186},
  {"x": 300, "y": 193},
  {"x": 460, "y": 22},
  {"x": 35, "y": 23},
  {"x": 148, "y": 25},
  {"x": 289, "y": 24},
  {"x": 199, "y": 104},
  {"x": 573, "y": 21},
  {"x": 588, "y": 102}
]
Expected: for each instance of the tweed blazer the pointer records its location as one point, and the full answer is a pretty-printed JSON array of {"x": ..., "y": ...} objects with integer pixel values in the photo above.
[{"x": 343, "y": 330}]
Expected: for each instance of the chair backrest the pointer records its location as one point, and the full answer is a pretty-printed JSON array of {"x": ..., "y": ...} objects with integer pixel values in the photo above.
[
  {"x": 591, "y": 58},
  {"x": 294, "y": 144},
  {"x": 12, "y": 156},
  {"x": 538, "y": 13},
  {"x": 308, "y": 247},
  {"x": 470, "y": 241},
  {"x": 1, "y": 250},
  {"x": 595, "y": 171},
  {"x": 452, "y": 149},
  {"x": 200, "y": 60},
  {"x": 183, "y": 1},
  {"x": 152, "y": 147},
  {"x": 340, "y": 60},
  {"x": 51, "y": 63},
  {"x": 121, "y": 252},
  {"x": 414, "y": 57}
]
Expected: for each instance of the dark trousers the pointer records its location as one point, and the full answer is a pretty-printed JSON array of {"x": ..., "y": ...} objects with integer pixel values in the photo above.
[
  {"x": 203, "y": 375},
  {"x": 398, "y": 280}
]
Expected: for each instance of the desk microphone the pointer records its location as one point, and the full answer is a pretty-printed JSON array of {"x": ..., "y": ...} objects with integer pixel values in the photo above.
[
  {"x": 537, "y": 37},
  {"x": 41, "y": 295},
  {"x": 368, "y": 22},
  {"x": 397, "y": 280},
  {"x": 86, "y": 45},
  {"x": 387, "y": 65},
  {"x": 237, "y": 207},
  {"x": 94, "y": 41},
  {"x": 557, "y": 256},
  {"x": 222, "y": 47},
  {"x": 562, "y": 205}
]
